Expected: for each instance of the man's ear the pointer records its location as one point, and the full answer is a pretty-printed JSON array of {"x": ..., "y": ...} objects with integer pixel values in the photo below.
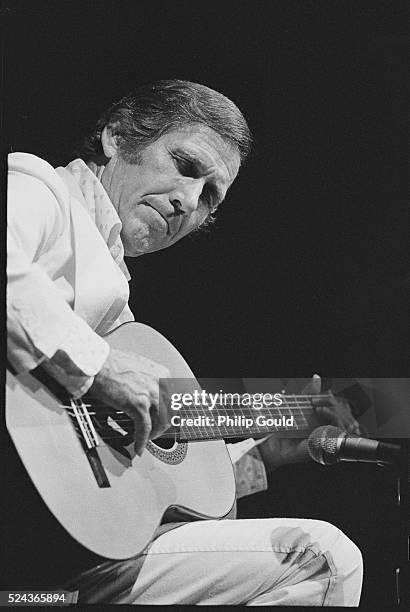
[{"x": 109, "y": 142}]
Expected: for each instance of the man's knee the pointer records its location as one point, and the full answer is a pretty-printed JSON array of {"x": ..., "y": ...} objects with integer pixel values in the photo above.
[
  {"x": 346, "y": 564},
  {"x": 321, "y": 539},
  {"x": 322, "y": 560},
  {"x": 346, "y": 555}
]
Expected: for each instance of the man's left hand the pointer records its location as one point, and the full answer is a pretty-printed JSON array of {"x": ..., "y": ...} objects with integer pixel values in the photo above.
[{"x": 328, "y": 409}]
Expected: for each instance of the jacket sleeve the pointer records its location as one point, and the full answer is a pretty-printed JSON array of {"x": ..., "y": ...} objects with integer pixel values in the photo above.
[{"x": 42, "y": 327}]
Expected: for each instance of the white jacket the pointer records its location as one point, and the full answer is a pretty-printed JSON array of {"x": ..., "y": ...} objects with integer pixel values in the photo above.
[{"x": 64, "y": 288}]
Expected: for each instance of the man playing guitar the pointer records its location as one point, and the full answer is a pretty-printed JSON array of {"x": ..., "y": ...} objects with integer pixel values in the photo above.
[{"x": 157, "y": 167}]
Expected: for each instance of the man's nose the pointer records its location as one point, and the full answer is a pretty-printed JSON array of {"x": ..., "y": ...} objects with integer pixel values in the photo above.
[{"x": 185, "y": 199}]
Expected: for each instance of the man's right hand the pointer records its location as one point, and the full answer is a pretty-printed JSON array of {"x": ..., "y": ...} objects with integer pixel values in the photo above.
[{"x": 130, "y": 382}]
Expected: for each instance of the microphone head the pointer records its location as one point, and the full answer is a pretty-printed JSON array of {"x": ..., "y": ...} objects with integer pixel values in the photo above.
[{"x": 324, "y": 443}]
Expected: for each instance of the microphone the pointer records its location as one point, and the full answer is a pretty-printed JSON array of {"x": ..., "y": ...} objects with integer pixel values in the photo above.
[{"x": 329, "y": 445}]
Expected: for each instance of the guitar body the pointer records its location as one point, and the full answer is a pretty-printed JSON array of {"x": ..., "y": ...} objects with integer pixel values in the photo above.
[{"x": 116, "y": 521}]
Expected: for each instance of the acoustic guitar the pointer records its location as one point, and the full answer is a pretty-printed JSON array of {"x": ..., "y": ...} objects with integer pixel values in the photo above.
[{"x": 80, "y": 457}]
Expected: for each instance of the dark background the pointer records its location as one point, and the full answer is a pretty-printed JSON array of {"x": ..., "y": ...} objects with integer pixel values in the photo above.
[{"x": 307, "y": 269}]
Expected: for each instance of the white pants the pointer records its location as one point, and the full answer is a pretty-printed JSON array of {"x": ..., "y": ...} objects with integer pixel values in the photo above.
[{"x": 255, "y": 562}]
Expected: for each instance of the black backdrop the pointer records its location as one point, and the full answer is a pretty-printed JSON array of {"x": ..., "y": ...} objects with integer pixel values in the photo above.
[{"x": 307, "y": 267}]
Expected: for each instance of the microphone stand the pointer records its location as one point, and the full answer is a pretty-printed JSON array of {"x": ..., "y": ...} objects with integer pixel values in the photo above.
[{"x": 403, "y": 506}]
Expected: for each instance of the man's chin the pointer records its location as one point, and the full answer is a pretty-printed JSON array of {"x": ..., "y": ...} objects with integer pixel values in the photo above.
[
  {"x": 145, "y": 240},
  {"x": 145, "y": 249}
]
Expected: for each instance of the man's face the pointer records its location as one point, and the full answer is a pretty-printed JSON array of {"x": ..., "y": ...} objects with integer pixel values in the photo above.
[{"x": 182, "y": 177}]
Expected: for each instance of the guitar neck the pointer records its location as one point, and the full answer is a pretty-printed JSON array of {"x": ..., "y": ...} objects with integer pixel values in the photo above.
[{"x": 199, "y": 422}]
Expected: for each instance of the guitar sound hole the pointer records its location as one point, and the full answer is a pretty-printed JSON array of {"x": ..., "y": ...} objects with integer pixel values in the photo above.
[{"x": 164, "y": 443}]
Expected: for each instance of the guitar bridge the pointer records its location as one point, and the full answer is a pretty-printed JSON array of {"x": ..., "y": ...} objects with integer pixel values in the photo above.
[{"x": 88, "y": 437}]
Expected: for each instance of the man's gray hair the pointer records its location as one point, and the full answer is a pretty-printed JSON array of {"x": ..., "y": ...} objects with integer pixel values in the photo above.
[{"x": 152, "y": 110}]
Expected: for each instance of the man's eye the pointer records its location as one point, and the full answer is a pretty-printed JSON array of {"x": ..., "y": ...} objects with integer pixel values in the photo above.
[{"x": 186, "y": 167}]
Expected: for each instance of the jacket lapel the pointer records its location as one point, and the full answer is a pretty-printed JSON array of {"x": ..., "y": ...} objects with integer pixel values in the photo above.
[{"x": 101, "y": 290}]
